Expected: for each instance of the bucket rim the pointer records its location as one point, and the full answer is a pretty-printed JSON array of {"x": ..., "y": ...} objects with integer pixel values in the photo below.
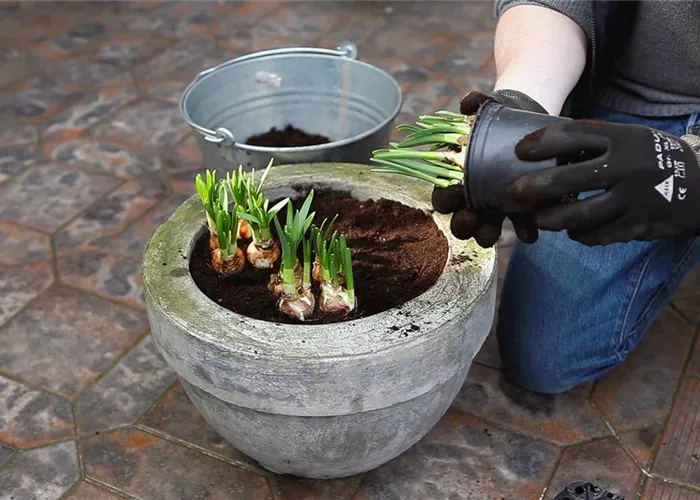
[{"x": 329, "y": 145}]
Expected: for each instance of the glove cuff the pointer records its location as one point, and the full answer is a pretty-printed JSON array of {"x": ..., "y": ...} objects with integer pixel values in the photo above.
[
  {"x": 694, "y": 142},
  {"x": 517, "y": 100}
]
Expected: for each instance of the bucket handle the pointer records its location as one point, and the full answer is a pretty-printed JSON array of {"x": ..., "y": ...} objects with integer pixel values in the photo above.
[{"x": 346, "y": 50}]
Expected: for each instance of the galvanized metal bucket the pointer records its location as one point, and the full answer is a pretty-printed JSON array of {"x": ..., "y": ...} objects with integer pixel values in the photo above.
[{"x": 320, "y": 91}]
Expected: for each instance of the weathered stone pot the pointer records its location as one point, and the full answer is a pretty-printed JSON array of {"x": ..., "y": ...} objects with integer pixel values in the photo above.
[{"x": 321, "y": 401}]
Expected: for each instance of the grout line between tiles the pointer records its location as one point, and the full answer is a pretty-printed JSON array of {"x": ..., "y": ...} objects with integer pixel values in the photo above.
[
  {"x": 557, "y": 463},
  {"x": 110, "y": 488},
  {"x": 108, "y": 369},
  {"x": 202, "y": 450}
]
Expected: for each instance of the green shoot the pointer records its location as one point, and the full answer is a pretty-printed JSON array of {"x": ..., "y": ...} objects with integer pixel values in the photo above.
[
  {"x": 306, "y": 280},
  {"x": 446, "y": 134},
  {"x": 238, "y": 184},
  {"x": 243, "y": 186},
  {"x": 295, "y": 228},
  {"x": 346, "y": 261},
  {"x": 252, "y": 206},
  {"x": 338, "y": 285},
  {"x": 207, "y": 191},
  {"x": 319, "y": 237},
  {"x": 226, "y": 224},
  {"x": 259, "y": 215}
]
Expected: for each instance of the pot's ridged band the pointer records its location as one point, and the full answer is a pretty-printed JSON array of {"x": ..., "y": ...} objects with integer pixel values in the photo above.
[{"x": 319, "y": 370}]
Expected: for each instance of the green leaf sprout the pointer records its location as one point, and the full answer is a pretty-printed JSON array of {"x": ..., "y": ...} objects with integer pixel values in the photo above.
[{"x": 444, "y": 130}]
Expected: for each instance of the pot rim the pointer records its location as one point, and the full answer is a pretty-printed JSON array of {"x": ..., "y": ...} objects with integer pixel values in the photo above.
[
  {"x": 169, "y": 287},
  {"x": 319, "y": 147}
]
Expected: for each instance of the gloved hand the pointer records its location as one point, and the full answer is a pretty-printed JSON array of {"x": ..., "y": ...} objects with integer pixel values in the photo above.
[
  {"x": 651, "y": 182},
  {"x": 485, "y": 226}
]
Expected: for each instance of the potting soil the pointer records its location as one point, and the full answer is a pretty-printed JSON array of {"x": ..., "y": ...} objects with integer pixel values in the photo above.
[
  {"x": 398, "y": 253},
  {"x": 288, "y": 137}
]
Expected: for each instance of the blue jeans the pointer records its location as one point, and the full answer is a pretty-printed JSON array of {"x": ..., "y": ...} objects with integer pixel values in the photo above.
[{"x": 571, "y": 313}]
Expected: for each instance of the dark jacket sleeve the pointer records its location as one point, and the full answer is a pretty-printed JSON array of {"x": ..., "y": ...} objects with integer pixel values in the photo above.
[{"x": 580, "y": 11}]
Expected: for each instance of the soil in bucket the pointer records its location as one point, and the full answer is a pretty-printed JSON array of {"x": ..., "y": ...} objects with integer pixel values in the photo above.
[
  {"x": 288, "y": 137},
  {"x": 398, "y": 254}
]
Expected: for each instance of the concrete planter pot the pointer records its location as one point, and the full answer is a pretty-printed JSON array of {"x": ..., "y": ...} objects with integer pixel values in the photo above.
[{"x": 312, "y": 400}]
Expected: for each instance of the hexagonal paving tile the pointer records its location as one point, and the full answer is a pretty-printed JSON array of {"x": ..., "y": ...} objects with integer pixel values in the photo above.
[
  {"x": 133, "y": 461},
  {"x": 176, "y": 416},
  {"x": 22, "y": 26},
  {"x": 126, "y": 391},
  {"x": 406, "y": 73},
  {"x": 488, "y": 355},
  {"x": 14, "y": 65},
  {"x": 106, "y": 158},
  {"x": 13, "y": 132},
  {"x": 15, "y": 159},
  {"x": 694, "y": 365},
  {"x": 172, "y": 60},
  {"x": 460, "y": 17},
  {"x": 114, "y": 212},
  {"x": 43, "y": 473},
  {"x": 30, "y": 417},
  {"x": 89, "y": 110},
  {"x": 425, "y": 97},
  {"x": 20, "y": 284},
  {"x": 185, "y": 157},
  {"x": 658, "y": 490},
  {"x": 64, "y": 193},
  {"x": 78, "y": 37},
  {"x": 181, "y": 19},
  {"x": 689, "y": 307},
  {"x": 133, "y": 240},
  {"x": 469, "y": 57},
  {"x": 464, "y": 458},
  {"x": 18, "y": 244},
  {"x": 603, "y": 463},
  {"x": 32, "y": 101},
  {"x": 5, "y": 453},
  {"x": 127, "y": 49},
  {"x": 81, "y": 74},
  {"x": 641, "y": 442},
  {"x": 168, "y": 90},
  {"x": 691, "y": 284},
  {"x": 88, "y": 491},
  {"x": 245, "y": 16},
  {"x": 360, "y": 26},
  {"x": 408, "y": 43},
  {"x": 111, "y": 276},
  {"x": 679, "y": 454},
  {"x": 150, "y": 125},
  {"x": 304, "y": 21},
  {"x": 640, "y": 391},
  {"x": 562, "y": 419},
  {"x": 293, "y": 488},
  {"x": 66, "y": 339}
]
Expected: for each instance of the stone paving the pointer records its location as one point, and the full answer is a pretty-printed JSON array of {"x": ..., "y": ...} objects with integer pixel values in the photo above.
[{"x": 94, "y": 155}]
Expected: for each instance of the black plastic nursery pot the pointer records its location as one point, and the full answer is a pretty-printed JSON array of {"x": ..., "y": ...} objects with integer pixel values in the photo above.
[{"x": 491, "y": 164}]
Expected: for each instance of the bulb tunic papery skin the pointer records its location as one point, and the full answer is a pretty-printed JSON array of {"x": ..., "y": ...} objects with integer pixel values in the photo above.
[
  {"x": 298, "y": 305},
  {"x": 230, "y": 267},
  {"x": 275, "y": 283},
  {"x": 264, "y": 258},
  {"x": 264, "y": 251},
  {"x": 335, "y": 299},
  {"x": 295, "y": 300}
]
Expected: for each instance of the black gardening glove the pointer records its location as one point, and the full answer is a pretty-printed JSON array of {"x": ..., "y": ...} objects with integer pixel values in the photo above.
[
  {"x": 485, "y": 226},
  {"x": 651, "y": 182}
]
